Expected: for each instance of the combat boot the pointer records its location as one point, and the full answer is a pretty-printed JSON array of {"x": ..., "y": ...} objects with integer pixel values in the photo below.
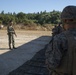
[
  {"x": 14, "y": 47},
  {"x": 10, "y": 48}
]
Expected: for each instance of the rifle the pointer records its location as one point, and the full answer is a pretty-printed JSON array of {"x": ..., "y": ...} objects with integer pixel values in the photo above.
[{"x": 15, "y": 34}]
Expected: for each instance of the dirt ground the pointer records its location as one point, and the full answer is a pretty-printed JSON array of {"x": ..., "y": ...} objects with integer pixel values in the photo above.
[{"x": 23, "y": 36}]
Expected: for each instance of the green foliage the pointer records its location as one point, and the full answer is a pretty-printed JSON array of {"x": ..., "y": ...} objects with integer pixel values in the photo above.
[
  {"x": 0, "y": 22},
  {"x": 40, "y": 18}
]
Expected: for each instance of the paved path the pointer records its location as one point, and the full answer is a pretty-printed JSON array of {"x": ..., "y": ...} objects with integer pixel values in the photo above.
[
  {"x": 35, "y": 66},
  {"x": 16, "y": 57}
]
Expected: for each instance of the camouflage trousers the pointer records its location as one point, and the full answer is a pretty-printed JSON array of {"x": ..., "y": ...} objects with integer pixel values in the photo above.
[{"x": 11, "y": 41}]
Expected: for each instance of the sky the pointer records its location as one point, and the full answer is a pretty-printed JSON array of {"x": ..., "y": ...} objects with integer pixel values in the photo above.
[{"x": 31, "y": 6}]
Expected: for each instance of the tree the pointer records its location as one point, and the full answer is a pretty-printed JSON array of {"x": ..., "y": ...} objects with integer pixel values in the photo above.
[{"x": 2, "y": 12}]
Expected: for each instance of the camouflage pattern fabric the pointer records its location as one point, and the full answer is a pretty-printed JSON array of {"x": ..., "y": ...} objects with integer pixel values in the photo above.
[
  {"x": 56, "y": 49},
  {"x": 10, "y": 30},
  {"x": 69, "y": 12},
  {"x": 10, "y": 33},
  {"x": 56, "y": 30}
]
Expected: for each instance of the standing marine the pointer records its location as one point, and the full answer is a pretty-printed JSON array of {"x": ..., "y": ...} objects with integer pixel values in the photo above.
[
  {"x": 11, "y": 33},
  {"x": 57, "y": 29},
  {"x": 61, "y": 51}
]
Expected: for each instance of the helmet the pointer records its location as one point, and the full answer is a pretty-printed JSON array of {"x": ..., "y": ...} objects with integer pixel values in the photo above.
[{"x": 69, "y": 12}]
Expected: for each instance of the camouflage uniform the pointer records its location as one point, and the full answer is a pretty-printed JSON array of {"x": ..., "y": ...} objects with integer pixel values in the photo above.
[
  {"x": 11, "y": 33},
  {"x": 56, "y": 30},
  {"x": 60, "y": 29},
  {"x": 61, "y": 51},
  {"x": 58, "y": 46}
]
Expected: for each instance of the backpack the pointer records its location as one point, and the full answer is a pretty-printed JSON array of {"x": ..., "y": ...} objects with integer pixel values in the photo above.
[{"x": 67, "y": 63}]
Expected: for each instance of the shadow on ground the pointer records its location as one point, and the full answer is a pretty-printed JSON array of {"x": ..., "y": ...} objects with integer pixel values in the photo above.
[
  {"x": 35, "y": 66},
  {"x": 4, "y": 48},
  {"x": 28, "y": 59}
]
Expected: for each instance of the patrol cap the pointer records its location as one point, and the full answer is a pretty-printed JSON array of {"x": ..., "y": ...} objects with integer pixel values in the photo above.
[{"x": 69, "y": 12}]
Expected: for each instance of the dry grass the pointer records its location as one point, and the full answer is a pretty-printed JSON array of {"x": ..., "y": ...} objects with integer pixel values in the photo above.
[
  {"x": 46, "y": 27},
  {"x": 23, "y": 36}
]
